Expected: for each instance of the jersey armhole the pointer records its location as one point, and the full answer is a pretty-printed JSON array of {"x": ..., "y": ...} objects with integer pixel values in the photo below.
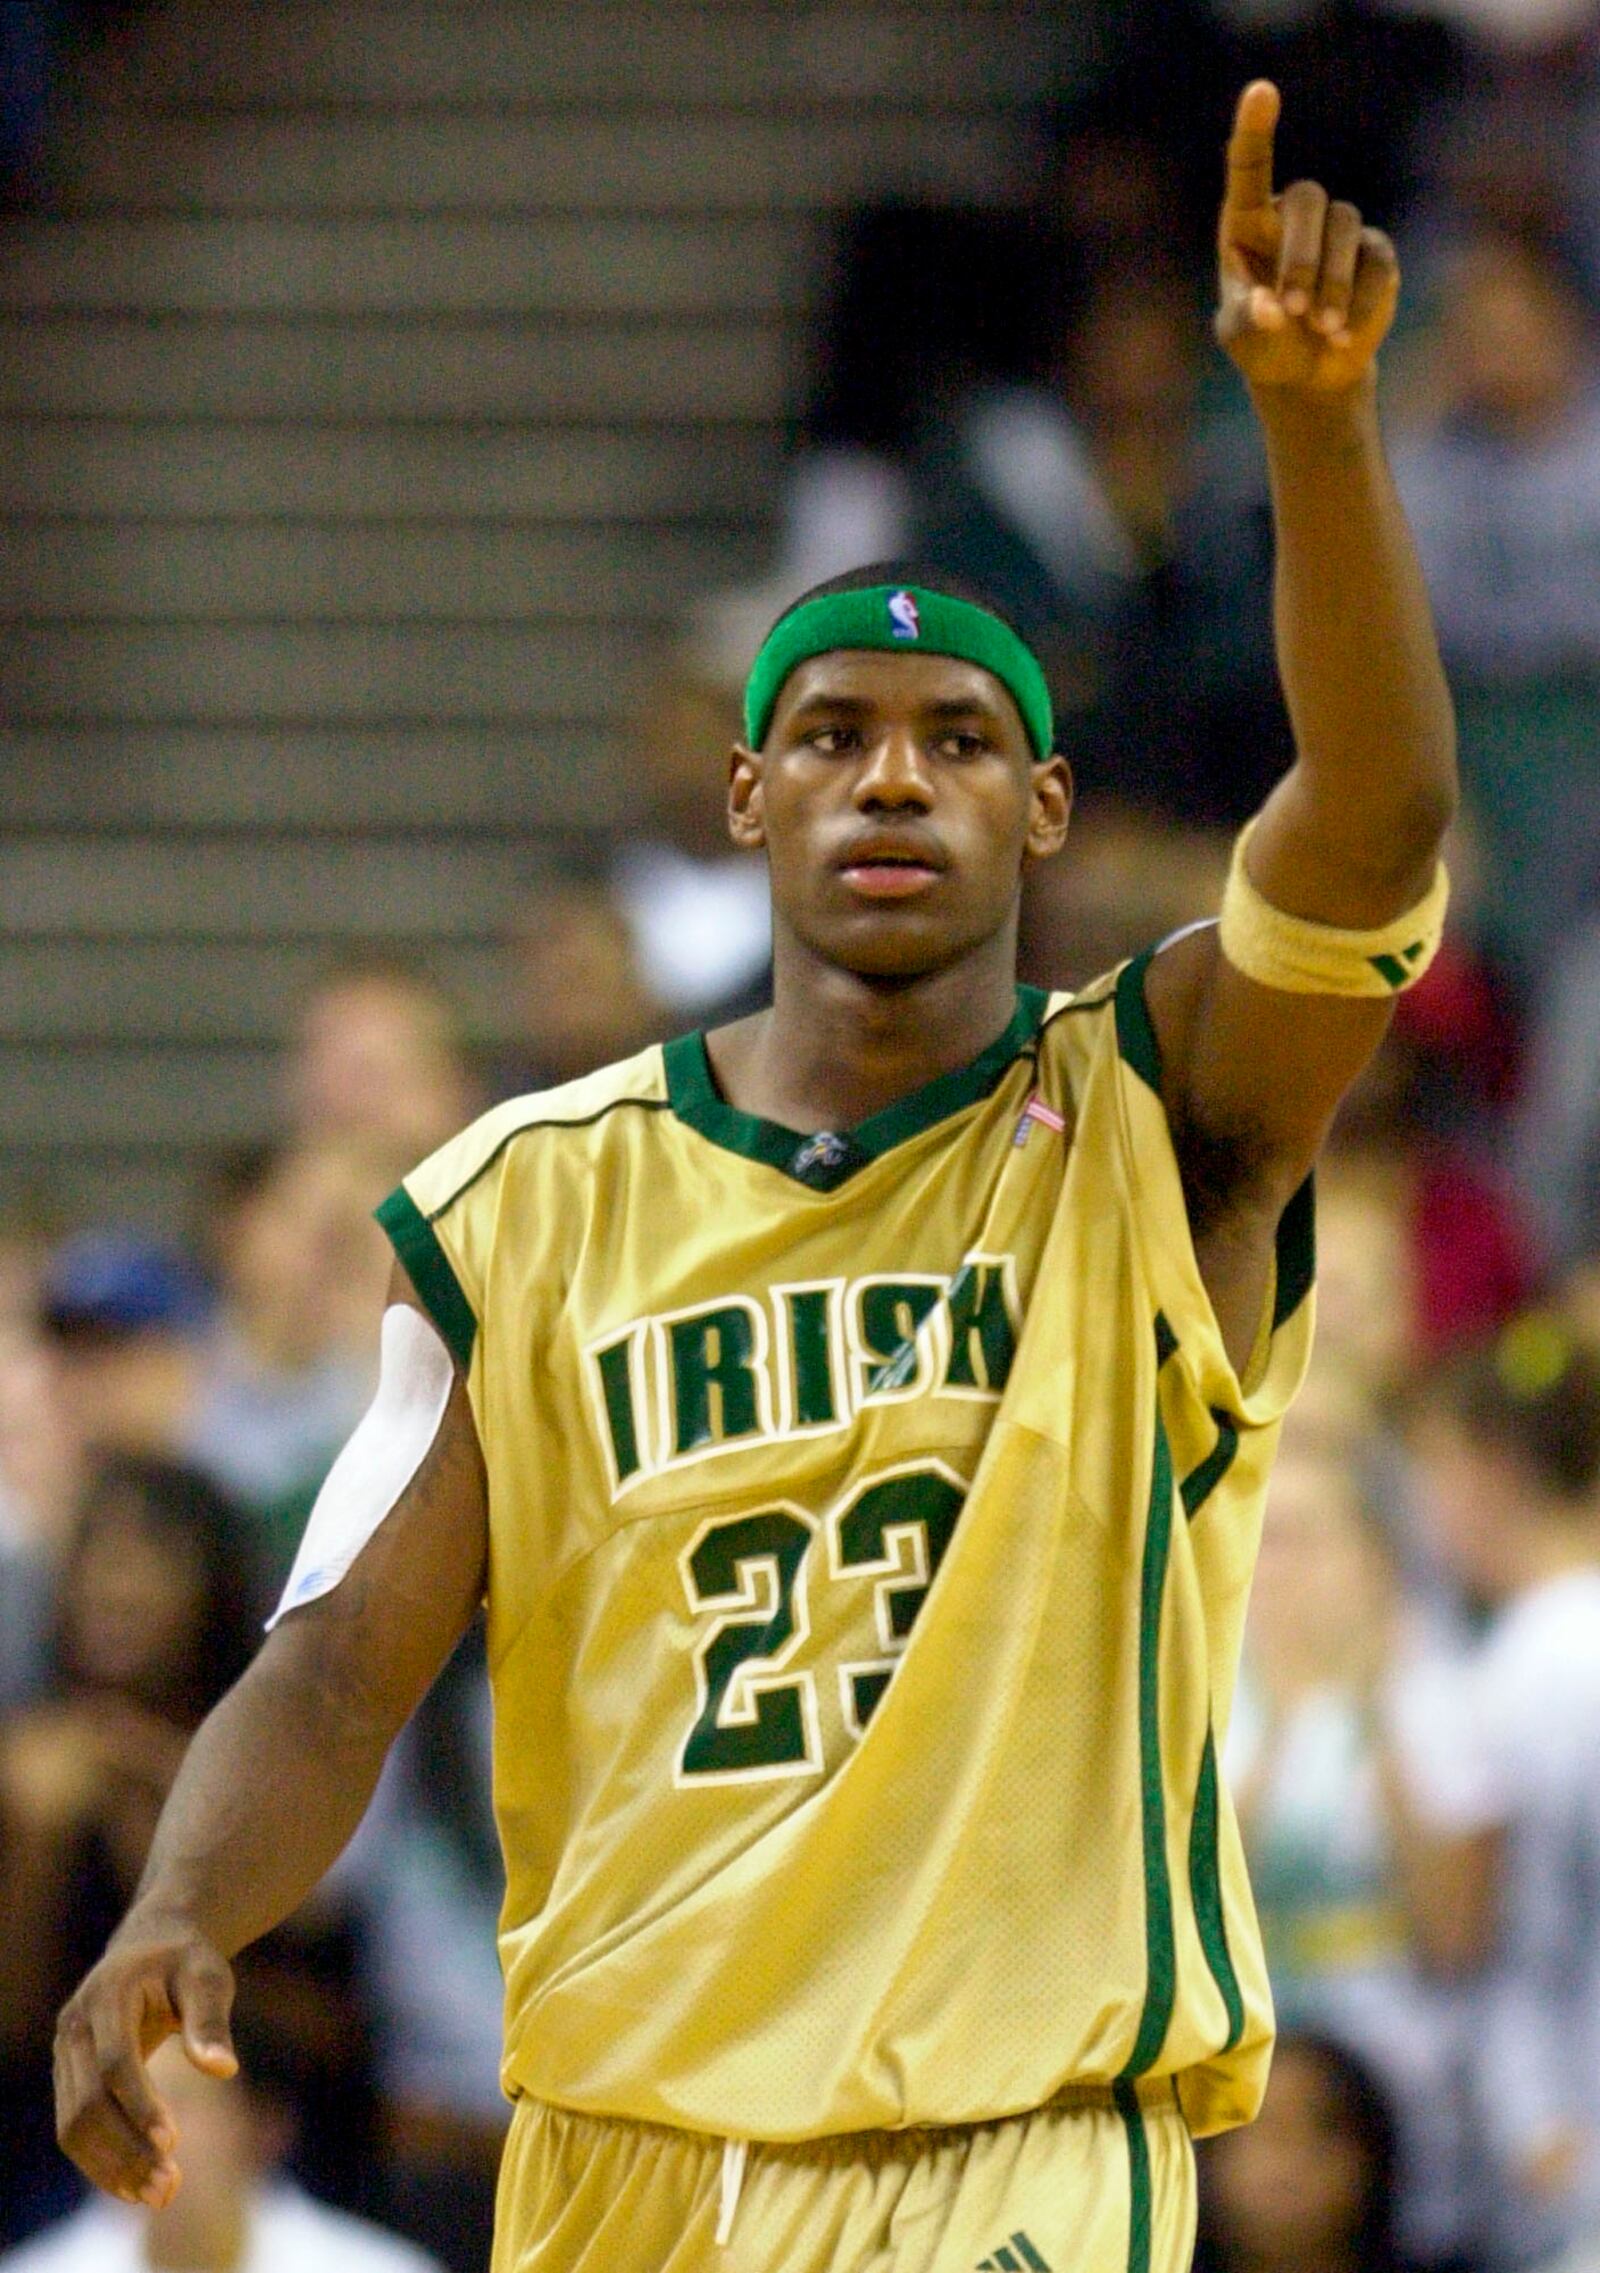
[
  {"x": 431, "y": 1272},
  {"x": 1294, "y": 1251}
]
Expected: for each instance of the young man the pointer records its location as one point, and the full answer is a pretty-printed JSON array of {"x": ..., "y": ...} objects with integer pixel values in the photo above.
[{"x": 858, "y": 1424}]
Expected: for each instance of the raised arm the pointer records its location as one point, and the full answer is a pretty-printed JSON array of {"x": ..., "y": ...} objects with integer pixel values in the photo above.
[
  {"x": 274, "y": 1784},
  {"x": 1350, "y": 838}
]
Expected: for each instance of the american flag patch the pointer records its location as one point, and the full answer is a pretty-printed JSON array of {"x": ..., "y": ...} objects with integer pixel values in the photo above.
[{"x": 1046, "y": 1115}]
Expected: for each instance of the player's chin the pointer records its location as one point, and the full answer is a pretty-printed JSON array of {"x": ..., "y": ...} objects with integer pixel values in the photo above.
[{"x": 896, "y": 943}]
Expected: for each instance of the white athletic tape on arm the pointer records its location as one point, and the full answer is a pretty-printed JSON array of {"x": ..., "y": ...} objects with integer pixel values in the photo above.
[{"x": 390, "y": 1443}]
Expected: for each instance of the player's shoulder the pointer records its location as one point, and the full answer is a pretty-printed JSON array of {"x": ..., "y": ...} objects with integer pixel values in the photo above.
[
  {"x": 1075, "y": 1021},
  {"x": 1067, "y": 1002},
  {"x": 1142, "y": 998},
  {"x": 548, "y": 1115}
]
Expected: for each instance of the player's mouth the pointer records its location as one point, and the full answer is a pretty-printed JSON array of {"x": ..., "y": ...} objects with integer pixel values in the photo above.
[{"x": 882, "y": 869}]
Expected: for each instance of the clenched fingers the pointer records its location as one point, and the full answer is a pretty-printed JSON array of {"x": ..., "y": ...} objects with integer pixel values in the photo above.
[
  {"x": 1302, "y": 215},
  {"x": 1341, "y": 255},
  {"x": 94, "y": 2126},
  {"x": 1377, "y": 283},
  {"x": 109, "y": 2117}
]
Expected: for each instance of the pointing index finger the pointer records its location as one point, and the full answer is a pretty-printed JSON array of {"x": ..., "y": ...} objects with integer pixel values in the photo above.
[{"x": 1250, "y": 152}]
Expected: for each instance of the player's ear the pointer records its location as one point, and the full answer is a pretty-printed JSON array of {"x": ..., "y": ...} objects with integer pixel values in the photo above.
[
  {"x": 746, "y": 824},
  {"x": 1052, "y": 808}
]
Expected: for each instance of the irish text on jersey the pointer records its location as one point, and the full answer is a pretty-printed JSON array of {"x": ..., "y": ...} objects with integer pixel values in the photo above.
[{"x": 801, "y": 1361}]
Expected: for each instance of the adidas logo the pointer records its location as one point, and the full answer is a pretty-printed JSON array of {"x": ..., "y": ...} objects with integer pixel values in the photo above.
[{"x": 1018, "y": 2255}]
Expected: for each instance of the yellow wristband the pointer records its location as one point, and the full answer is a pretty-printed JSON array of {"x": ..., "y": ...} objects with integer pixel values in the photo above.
[{"x": 1317, "y": 958}]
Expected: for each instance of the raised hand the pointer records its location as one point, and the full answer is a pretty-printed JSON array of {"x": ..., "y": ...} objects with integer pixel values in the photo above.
[{"x": 1308, "y": 293}]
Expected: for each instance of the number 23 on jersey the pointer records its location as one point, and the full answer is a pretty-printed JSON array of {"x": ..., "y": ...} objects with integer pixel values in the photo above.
[{"x": 749, "y": 1574}]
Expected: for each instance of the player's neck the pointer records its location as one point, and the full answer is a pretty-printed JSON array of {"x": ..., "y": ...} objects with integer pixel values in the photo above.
[{"x": 835, "y": 1048}]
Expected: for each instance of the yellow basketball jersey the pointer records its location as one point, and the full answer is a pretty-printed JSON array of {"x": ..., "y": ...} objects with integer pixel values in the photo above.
[{"x": 871, "y": 1520}]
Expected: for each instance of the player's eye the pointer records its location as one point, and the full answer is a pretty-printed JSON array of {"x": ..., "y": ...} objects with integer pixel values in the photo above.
[
  {"x": 834, "y": 741},
  {"x": 965, "y": 743}
]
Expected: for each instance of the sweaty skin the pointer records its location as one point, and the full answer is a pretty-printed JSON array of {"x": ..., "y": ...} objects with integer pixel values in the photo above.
[{"x": 897, "y": 803}]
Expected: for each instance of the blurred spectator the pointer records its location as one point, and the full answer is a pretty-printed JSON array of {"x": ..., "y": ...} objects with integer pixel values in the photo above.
[
  {"x": 236, "y": 2207},
  {"x": 431, "y": 1880},
  {"x": 308, "y": 1976},
  {"x": 1519, "y": 27},
  {"x": 1133, "y": 556},
  {"x": 1367, "y": 1297},
  {"x": 24, "y": 1599},
  {"x": 1503, "y": 158},
  {"x": 378, "y": 1060},
  {"x": 127, "y": 1318},
  {"x": 1119, "y": 187},
  {"x": 1360, "y": 79},
  {"x": 1309, "y": 2186},
  {"x": 40, "y": 1479},
  {"x": 580, "y": 997},
  {"x": 1580, "y": 1296},
  {"x": 1130, "y": 877},
  {"x": 1418, "y": 1250},
  {"x": 286, "y": 1363},
  {"x": 697, "y": 911},
  {"x": 1559, "y": 1133},
  {"x": 1499, "y": 480},
  {"x": 256, "y": 1381},
  {"x": 1330, "y": 1847},
  {"x": 153, "y": 1619},
  {"x": 1502, "y": 1752},
  {"x": 1337, "y": 1418},
  {"x": 889, "y": 360},
  {"x": 1501, "y": 477},
  {"x": 1423, "y": 1239},
  {"x": 26, "y": 1238}
]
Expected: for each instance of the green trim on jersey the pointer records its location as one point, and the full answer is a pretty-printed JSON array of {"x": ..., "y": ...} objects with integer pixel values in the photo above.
[
  {"x": 1139, "y": 2202},
  {"x": 518, "y": 1129},
  {"x": 1205, "y": 1887},
  {"x": 417, "y": 1244},
  {"x": 1198, "y": 1486},
  {"x": 1136, "y": 1033},
  {"x": 1161, "y": 1961},
  {"x": 821, "y": 1163},
  {"x": 1297, "y": 1253}
]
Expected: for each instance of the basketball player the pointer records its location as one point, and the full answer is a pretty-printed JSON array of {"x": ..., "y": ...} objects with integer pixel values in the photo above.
[{"x": 857, "y": 1419}]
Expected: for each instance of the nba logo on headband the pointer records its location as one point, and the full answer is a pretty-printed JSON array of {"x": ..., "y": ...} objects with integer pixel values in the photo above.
[{"x": 904, "y": 620}]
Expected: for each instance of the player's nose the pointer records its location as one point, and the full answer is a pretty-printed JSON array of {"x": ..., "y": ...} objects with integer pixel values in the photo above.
[{"x": 895, "y": 775}]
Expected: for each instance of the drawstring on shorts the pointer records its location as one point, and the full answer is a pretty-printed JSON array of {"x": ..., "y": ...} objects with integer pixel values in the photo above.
[{"x": 735, "y": 2154}]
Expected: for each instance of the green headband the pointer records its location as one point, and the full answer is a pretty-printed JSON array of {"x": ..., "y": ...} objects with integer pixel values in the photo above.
[{"x": 901, "y": 620}]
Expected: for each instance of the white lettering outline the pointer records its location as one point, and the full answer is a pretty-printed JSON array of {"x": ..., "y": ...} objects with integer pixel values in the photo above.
[{"x": 740, "y": 1707}]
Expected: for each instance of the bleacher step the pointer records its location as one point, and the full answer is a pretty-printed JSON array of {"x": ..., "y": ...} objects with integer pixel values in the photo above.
[
  {"x": 166, "y": 465},
  {"x": 310, "y": 570},
  {"x": 518, "y": 780},
  {"x": 385, "y": 382}
]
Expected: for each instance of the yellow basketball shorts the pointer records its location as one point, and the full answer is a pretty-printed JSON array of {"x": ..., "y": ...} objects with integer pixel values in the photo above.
[{"x": 1093, "y": 2183}]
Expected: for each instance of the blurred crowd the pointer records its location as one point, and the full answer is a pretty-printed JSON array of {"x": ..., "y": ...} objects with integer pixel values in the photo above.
[{"x": 1026, "y": 394}]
